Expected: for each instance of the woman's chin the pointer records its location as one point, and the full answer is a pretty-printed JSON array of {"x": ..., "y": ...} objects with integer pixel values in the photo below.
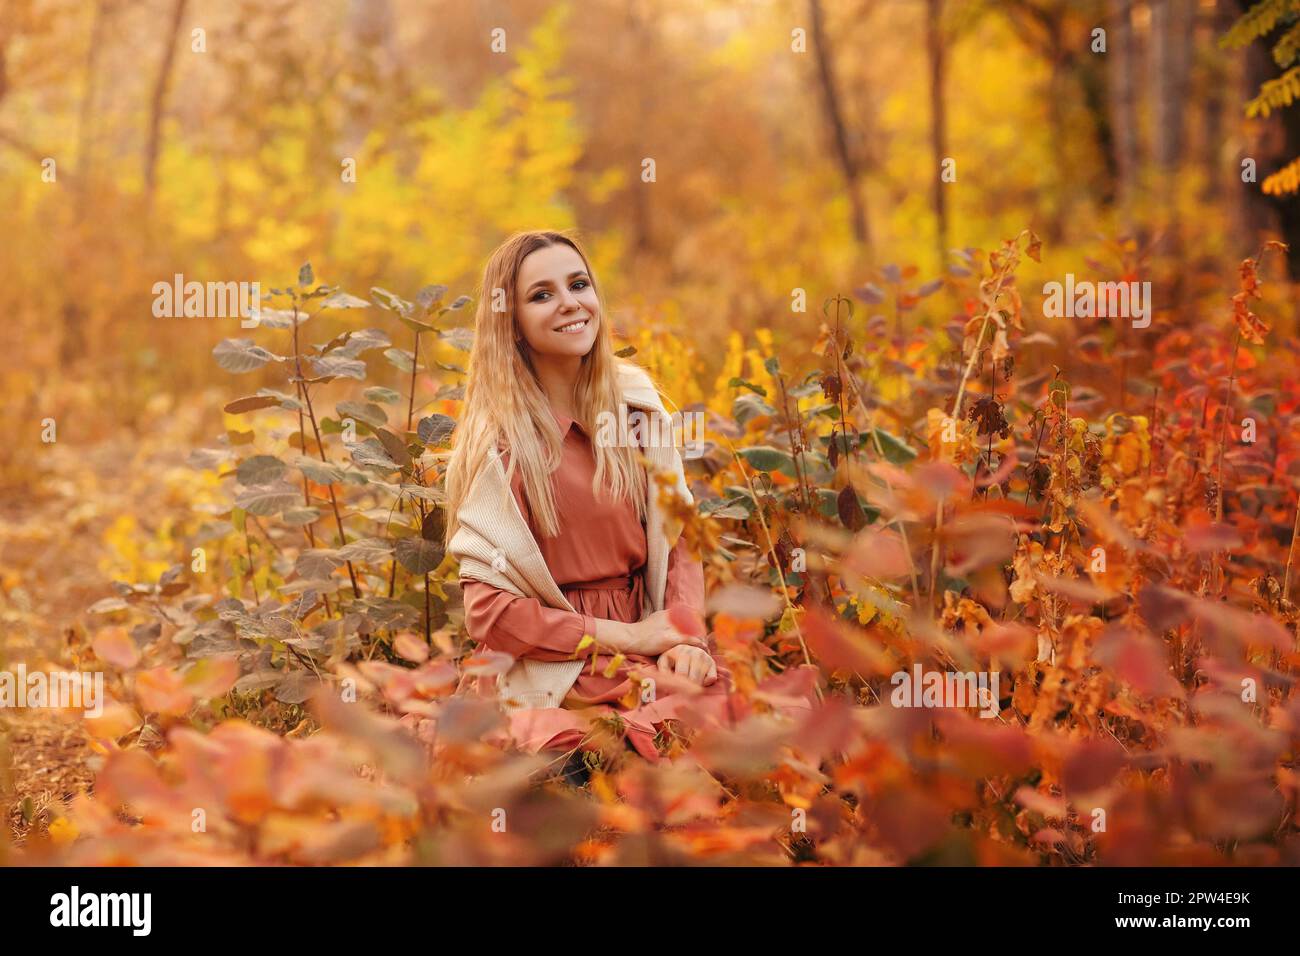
[{"x": 580, "y": 346}]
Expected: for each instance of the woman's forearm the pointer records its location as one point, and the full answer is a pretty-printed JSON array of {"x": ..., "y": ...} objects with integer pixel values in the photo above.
[{"x": 613, "y": 634}]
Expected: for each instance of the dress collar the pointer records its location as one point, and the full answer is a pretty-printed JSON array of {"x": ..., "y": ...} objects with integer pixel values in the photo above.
[{"x": 564, "y": 422}]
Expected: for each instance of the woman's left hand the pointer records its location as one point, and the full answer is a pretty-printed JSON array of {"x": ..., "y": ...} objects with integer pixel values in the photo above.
[{"x": 691, "y": 662}]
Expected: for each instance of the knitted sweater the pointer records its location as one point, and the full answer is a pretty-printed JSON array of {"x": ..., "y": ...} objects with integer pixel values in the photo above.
[{"x": 494, "y": 544}]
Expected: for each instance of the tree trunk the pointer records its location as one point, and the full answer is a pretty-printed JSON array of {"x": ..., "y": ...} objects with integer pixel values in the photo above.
[
  {"x": 849, "y": 166},
  {"x": 1123, "y": 113},
  {"x": 159, "y": 101},
  {"x": 1171, "y": 36},
  {"x": 86, "y": 111},
  {"x": 938, "y": 123}
]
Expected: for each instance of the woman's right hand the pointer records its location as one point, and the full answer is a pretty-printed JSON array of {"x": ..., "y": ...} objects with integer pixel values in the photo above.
[{"x": 653, "y": 635}]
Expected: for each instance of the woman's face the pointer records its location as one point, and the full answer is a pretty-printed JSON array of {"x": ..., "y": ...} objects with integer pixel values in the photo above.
[{"x": 557, "y": 309}]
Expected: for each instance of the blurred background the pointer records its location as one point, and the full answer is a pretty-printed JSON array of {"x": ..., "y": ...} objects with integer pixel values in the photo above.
[{"x": 795, "y": 144}]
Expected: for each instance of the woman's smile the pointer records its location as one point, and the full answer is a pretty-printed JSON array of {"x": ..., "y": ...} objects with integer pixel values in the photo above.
[{"x": 572, "y": 327}]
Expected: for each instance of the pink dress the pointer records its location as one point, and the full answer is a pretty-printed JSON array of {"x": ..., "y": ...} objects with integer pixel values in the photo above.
[{"x": 598, "y": 560}]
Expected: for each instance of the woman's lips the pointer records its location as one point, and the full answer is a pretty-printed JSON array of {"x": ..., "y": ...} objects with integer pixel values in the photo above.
[{"x": 577, "y": 326}]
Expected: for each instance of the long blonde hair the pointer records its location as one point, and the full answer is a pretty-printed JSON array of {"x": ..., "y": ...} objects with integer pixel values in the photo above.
[{"x": 505, "y": 403}]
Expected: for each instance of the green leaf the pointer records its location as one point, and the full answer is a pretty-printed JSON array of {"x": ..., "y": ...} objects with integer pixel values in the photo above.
[
  {"x": 772, "y": 365},
  {"x": 626, "y": 352},
  {"x": 241, "y": 355},
  {"x": 320, "y": 472},
  {"x": 735, "y": 506},
  {"x": 338, "y": 366},
  {"x": 434, "y": 525},
  {"x": 430, "y": 296},
  {"x": 459, "y": 338},
  {"x": 296, "y": 686},
  {"x": 378, "y": 393},
  {"x": 279, "y": 318},
  {"x": 435, "y": 429},
  {"x": 395, "y": 447},
  {"x": 400, "y": 359},
  {"x": 747, "y": 407},
  {"x": 732, "y": 511},
  {"x": 419, "y": 555},
  {"x": 300, "y": 516},
  {"x": 392, "y": 302},
  {"x": 259, "y": 470},
  {"x": 268, "y": 500},
  {"x": 896, "y": 450},
  {"x": 362, "y": 340},
  {"x": 427, "y": 494},
  {"x": 317, "y": 562},
  {"x": 415, "y": 325},
  {"x": 827, "y": 502},
  {"x": 372, "y": 454},
  {"x": 305, "y": 277},
  {"x": 367, "y": 412},
  {"x": 767, "y": 458},
  {"x": 342, "y": 300},
  {"x": 367, "y": 550},
  {"x": 741, "y": 383}
]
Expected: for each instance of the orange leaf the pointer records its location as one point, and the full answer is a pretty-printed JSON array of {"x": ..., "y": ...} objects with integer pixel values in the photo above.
[
  {"x": 212, "y": 677},
  {"x": 162, "y": 691},
  {"x": 686, "y": 620},
  {"x": 115, "y": 646}
]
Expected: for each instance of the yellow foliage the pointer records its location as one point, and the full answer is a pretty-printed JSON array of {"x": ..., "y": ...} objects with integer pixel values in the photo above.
[
  {"x": 62, "y": 831},
  {"x": 128, "y": 558},
  {"x": 1283, "y": 182}
]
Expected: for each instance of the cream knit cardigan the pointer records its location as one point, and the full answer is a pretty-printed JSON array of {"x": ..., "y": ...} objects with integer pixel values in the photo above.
[{"x": 494, "y": 544}]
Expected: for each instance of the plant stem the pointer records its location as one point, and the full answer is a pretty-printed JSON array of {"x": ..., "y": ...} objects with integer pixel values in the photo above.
[
  {"x": 1215, "y": 570},
  {"x": 1290, "y": 553},
  {"x": 771, "y": 551},
  {"x": 320, "y": 446}
]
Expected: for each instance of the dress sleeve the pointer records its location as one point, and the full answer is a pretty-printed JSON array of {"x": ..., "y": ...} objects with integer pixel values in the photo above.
[
  {"x": 519, "y": 626},
  {"x": 522, "y": 627},
  {"x": 685, "y": 582}
]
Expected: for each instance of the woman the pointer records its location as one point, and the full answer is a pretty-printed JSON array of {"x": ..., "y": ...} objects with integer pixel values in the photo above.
[{"x": 568, "y": 562}]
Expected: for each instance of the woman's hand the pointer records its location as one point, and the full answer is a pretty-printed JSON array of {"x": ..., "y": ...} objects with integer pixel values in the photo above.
[
  {"x": 651, "y": 636},
  {"x": 687, "y": 660}
]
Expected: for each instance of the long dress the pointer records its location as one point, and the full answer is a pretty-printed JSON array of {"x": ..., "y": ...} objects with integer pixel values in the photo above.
[{"x": 598, "y": 560}]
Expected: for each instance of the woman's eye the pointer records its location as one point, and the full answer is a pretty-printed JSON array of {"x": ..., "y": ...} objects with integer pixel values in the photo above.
[{"x": 578, "y": 282}]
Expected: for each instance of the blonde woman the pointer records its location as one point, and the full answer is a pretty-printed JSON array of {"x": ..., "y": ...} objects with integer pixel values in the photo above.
[{"x": 559, "y": 530}]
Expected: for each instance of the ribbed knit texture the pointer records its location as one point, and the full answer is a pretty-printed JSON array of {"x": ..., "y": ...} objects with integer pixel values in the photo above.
[{"x": 494, "y": 544}]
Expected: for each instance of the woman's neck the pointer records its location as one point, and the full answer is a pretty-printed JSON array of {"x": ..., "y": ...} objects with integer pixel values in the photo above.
[{"x": 558, "y": 376}]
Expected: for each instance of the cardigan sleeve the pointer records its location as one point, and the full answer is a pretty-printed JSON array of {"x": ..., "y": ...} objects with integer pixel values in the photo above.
[
  {"x": 522, "y": 627},
  {"x": 519, "y": 626}
]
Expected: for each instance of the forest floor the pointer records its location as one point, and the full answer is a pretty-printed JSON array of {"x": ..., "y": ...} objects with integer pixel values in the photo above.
[{"x": 57, "y": 557}]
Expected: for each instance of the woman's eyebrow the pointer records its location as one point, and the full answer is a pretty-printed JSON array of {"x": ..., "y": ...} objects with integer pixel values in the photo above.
[{"x": 572, "y": 276}]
